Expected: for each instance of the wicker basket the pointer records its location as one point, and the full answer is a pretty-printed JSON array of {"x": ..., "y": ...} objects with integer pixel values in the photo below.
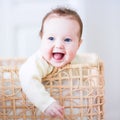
[
  {"x": 11, "y": 62},
  {"x": 79, "y": 88}
]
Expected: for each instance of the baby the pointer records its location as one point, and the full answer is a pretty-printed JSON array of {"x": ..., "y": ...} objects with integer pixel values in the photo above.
[{"x": 60, "y": 34}]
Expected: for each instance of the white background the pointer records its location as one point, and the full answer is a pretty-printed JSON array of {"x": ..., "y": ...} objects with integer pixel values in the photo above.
[{"x": 20, "y": 22}]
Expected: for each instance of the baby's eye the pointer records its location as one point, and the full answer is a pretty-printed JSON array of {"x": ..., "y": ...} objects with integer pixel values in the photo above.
[
  {"x": 67, "y": 40},
  {"x": 51, "y": 38}
]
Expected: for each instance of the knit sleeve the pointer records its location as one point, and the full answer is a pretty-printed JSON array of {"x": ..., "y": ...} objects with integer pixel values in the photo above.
[{"x": 31, "y": 74}]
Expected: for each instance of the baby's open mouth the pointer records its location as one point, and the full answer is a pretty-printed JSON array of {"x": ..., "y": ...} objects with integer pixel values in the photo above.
[{"x": 58, "y": 56}]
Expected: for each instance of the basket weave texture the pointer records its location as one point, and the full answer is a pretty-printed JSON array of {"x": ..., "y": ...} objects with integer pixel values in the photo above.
[{"x": 79, "y": 88}]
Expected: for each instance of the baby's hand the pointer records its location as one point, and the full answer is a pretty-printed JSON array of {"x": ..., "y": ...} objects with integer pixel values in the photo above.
[{"x": 55, "y": 110}]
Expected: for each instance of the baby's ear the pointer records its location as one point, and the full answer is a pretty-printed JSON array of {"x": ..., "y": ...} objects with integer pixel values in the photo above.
[
  {"x": 40, "y": 34},
  {"x": 80, "y": 41}
]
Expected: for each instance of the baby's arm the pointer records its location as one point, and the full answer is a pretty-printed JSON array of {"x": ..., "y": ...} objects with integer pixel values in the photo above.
[{"x": 35, "y": 91}]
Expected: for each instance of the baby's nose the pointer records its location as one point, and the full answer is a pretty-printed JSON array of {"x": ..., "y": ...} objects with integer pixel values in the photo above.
[{"x": 59, "y": 44}]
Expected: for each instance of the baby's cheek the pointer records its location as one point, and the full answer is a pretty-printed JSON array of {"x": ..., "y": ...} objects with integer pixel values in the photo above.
[
  {"x": 48, "y": 54},
  {"x": 71, "y": 56}
]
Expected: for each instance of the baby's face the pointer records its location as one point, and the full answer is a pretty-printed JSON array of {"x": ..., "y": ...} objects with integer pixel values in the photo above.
[{"x": 60, "y": 40}]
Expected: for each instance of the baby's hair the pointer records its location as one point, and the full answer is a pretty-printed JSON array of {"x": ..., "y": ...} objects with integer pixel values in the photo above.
[{"x": 64, "y": 12}]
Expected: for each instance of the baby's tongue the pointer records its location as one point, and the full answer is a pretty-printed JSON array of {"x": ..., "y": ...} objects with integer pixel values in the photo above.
[{"x": 58, "y": 56}]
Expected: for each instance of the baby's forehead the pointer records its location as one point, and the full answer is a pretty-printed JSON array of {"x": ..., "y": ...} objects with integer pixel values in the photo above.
[
  {"x": 60, "y": 20},
  {"x": 52, "y": 16},
  {"x": 54, "y": 19}
]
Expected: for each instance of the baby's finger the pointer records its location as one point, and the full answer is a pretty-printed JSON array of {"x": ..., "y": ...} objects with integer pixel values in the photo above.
[
  {"x": 59, "y": 113},
  {"x": 61, "y": 110}
]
